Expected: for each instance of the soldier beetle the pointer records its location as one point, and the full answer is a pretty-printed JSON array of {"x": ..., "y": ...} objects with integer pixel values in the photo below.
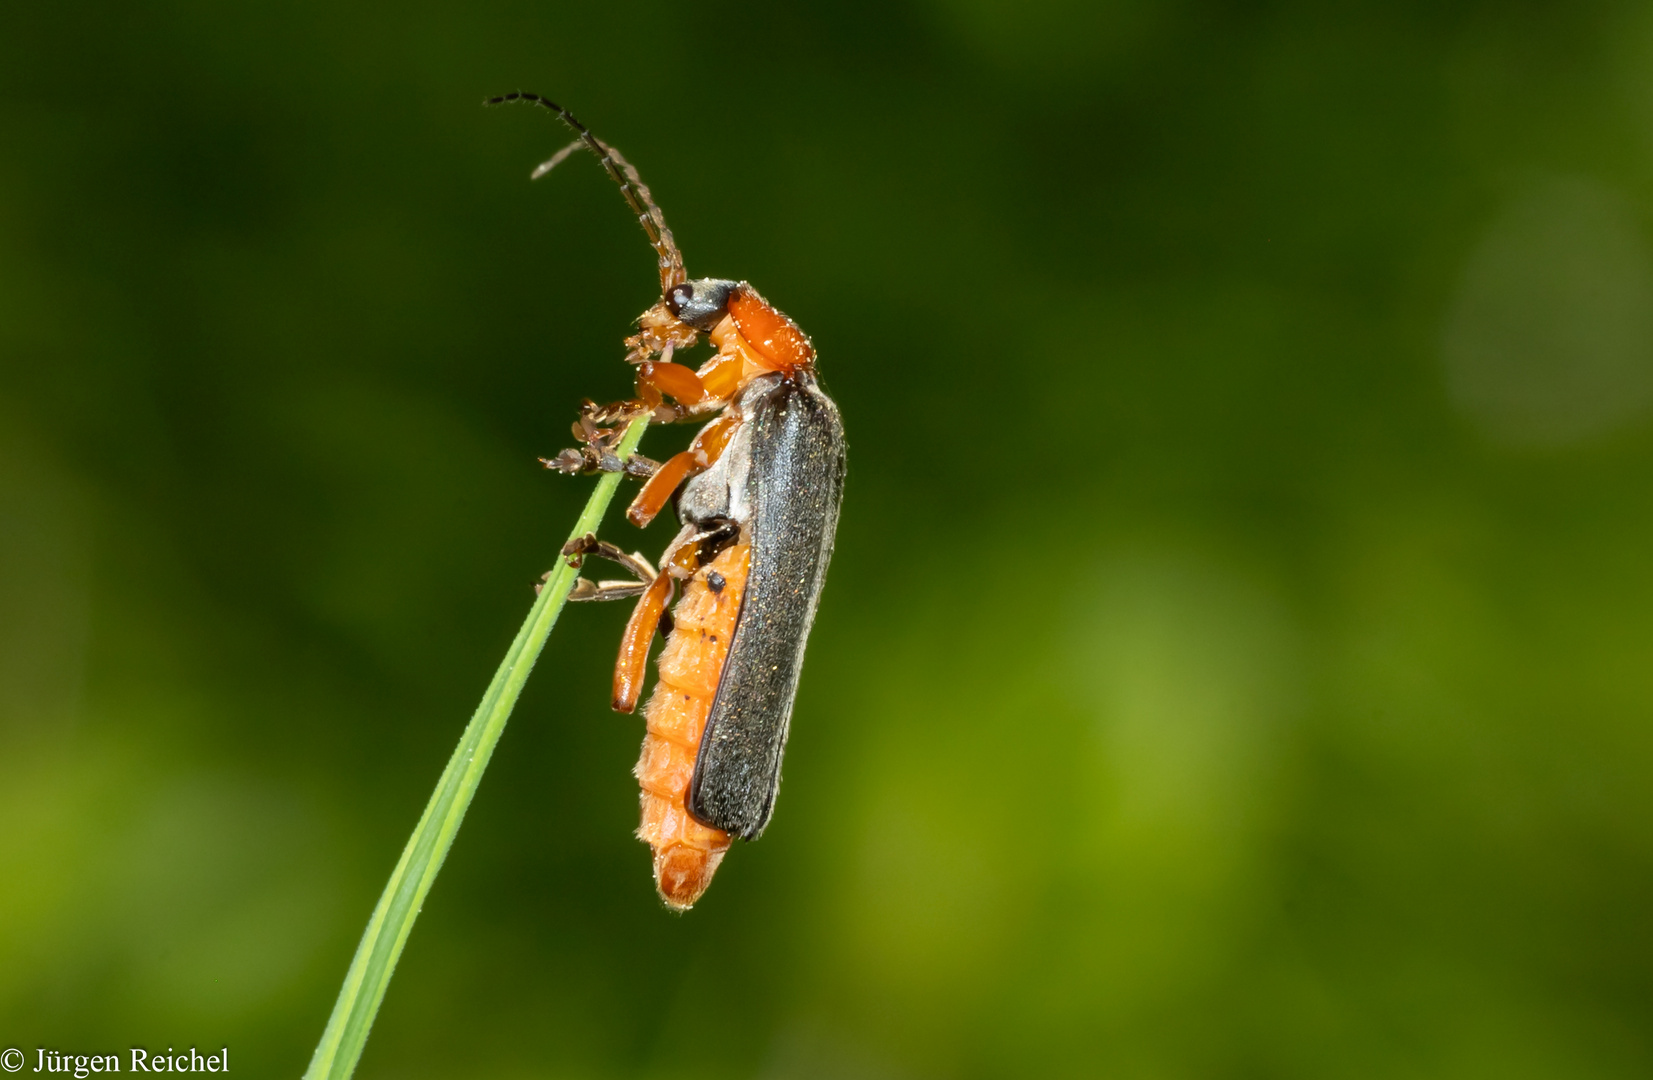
[{"x": 757, "y": 494}]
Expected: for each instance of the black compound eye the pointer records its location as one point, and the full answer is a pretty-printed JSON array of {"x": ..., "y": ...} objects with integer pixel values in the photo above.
[
  {"x": 701, "y": 303},
  {"x": 679, "y": 298}
]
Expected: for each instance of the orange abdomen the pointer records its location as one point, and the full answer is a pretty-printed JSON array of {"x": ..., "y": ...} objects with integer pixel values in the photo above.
[{"x": 686, "y": 853}]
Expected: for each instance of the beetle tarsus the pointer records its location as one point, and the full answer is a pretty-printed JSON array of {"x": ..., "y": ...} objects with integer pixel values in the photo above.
[
  {"x": 586, "y": 461},
  {"x": 569, "y": 462},
  {"x": 615, "y": 412},
  {"x": 576, "y": 550},
  {"x": 587, "y": 590},
  {"x": 595, "y": 454},
  {"x": 641, "y": 467}
]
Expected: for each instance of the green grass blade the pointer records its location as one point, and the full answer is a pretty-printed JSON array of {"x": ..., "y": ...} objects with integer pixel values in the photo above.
[{"x": 387, "y": 931}]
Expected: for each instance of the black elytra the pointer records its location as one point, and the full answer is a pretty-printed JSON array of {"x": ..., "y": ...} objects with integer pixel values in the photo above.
[{"x": 782, "y": 478}]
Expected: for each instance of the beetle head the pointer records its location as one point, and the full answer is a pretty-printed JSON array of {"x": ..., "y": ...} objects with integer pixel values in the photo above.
[{"x": 701, "y": 303}]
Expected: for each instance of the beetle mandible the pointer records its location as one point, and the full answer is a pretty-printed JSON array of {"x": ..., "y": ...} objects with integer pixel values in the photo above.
[{"x": 757, "y": 494}]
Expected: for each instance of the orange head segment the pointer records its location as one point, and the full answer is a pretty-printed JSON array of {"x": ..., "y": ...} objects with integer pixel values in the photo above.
[{"x": 773, "y": 340}]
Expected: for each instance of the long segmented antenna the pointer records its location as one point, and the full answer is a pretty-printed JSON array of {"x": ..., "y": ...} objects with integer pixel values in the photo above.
[{"x": 632, "y": 187}]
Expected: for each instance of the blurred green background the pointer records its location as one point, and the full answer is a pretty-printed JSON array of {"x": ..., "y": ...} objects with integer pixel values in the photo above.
[{"x": 1238, "y": 658}]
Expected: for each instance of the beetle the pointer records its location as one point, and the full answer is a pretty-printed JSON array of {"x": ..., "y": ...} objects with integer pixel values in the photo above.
[{"x": 757, "y": 496}]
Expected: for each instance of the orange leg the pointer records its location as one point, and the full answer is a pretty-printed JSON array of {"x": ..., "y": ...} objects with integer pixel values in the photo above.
[
  {"x": 645, "y": 617},
  {"x": 706, "y": 449},
  {"x": 721, "y": 375},
  {"x": 652, "y": 499},
  {"x": 634, "y": 643},
  {"x": 664, "y": 377}
]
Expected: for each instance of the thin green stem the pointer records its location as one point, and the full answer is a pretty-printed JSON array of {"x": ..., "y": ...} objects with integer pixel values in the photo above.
[{"x": 387, "y": 931}]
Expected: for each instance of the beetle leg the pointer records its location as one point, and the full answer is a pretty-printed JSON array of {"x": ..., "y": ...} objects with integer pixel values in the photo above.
[
  {"x": 665, "y": 377},
  {"x": 586, "y": 589},
  {"x": 641, "y": 467},
  {"x": 688, "y": 554},
  {"x": 595, "y": 454},
  {"x": 577, "y": 549},
  {"x": 658, "y": 491},
  {"x": 654, "y": 588},
  {"x": 634, "y": 643},
  {"x": 585, "y": 460},
  {"x": 615, "y": 412},
  {"x": 721, "y": 374},
  {"x": 706, "y": 449}
]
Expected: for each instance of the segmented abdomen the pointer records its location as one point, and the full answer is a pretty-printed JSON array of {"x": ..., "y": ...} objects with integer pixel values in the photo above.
[{"x": 686, "y": 853}]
